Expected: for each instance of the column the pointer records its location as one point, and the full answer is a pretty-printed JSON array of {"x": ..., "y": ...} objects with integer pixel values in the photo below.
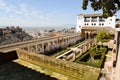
[
  {"x": 89, "y": 35},
  {"x": 97, "y": 19},
  {"x": 90, "y": 21},
  {"x": 36, "y": 49},
  {"x": 85, "y": 34},
  {"x": 48, "y": 45},
  {"x": 56, "y": 44},
  {"x": 28, "y": 48},
  {"x": 42, "y": 48}
]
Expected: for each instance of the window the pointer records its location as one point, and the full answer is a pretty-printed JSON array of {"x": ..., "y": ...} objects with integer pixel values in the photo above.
[
  {"x": 94, "y": 24},
  {"x": 87, "y": 19},
  {"x": 100, "y": 24},
  {"x": 110, "y": 19},
  {"x": 94, "y": 19},
  {"x": 101, "y": 19}
]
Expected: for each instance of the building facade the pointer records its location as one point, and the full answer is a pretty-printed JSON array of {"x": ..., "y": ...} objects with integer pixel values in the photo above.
[{"x": 94, "y": 20}]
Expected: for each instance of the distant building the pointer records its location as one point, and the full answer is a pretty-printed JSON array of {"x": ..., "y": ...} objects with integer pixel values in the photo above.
[
  {"x": 94, "y": 20},
  {"x": 1, "y": 32}
]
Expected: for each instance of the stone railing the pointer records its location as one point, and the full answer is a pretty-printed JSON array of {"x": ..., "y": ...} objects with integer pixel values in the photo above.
[{"x": 73, "y": 70}]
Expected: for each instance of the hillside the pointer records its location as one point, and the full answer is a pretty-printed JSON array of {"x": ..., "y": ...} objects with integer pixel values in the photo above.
[{"x": 13, "y": 34}]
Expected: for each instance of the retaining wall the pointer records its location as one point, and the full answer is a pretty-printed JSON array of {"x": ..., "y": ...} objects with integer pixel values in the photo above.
[{"x": 77, "y": 71}]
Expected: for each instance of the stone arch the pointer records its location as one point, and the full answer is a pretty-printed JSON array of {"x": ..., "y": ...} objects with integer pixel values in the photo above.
[
  {"x": 46, "y": 47},
  {"x": 39, "y": 46},
  {"x": 32, "y": 48}
]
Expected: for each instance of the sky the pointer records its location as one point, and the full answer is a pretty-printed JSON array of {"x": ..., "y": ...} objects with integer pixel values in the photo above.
[{"x": 40, "y": 12}]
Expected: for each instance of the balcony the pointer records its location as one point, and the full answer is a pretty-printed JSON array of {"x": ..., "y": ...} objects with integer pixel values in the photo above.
[
  {"x": 87, "y": 19},
  {"x": 94, "y": 19},
  {"x": 101, "y": 19}
]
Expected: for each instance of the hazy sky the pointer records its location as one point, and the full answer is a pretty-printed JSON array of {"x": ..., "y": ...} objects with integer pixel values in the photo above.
[{"x": 40, "y": 12}]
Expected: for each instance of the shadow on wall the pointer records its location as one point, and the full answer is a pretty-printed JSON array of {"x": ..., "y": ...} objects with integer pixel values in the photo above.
[
  {"x": 5, "y": 57},
  {"x": 15, "y": 71}
]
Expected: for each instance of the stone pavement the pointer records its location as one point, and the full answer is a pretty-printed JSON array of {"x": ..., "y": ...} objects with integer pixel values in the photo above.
[{"x": 117, "y": 69}]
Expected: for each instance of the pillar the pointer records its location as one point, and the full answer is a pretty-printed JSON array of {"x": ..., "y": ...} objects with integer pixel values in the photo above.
[
  {"x": 56, "y": 44},
  {"x": 39, "y": 46},
  {"x": 47, "y": 46},
  {"x": 36, "y": 49},
  {"x": 85, "y": 34},
  {"x": 42, "y": 48},
  {"x": 97, "y": 19},
  {"x": 28, "y": 48}
]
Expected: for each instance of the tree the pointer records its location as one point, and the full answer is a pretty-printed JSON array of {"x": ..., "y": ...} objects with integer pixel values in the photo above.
[
  {"x": 109, "y": 7},
  {"x": 103, "y": 36}
]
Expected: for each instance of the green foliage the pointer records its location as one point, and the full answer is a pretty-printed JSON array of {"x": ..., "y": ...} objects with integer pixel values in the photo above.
[
  {"x": 92, "y": 54},
  {"x": 85, "y": 3},
  {"x": 109, "y": 7},
  {"x": 103, "y": 36},
  {"x": 97, "y": 57}
]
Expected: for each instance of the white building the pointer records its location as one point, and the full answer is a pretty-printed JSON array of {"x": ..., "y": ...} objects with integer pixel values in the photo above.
[{"x": 94, "y": 20}]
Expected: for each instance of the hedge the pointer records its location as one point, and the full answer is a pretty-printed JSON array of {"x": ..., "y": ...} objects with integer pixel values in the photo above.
[{"x": 86, "y": 56}]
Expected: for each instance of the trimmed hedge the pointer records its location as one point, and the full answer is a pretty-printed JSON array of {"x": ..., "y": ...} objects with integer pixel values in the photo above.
[{"x": 98, "y": 57}]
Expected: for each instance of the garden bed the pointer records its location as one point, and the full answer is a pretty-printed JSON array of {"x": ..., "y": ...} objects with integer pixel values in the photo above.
[{"x": 95, "y": 56}]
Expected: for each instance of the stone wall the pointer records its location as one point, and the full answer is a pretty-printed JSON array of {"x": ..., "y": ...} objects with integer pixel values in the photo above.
[{"x": 77, "y": 71}]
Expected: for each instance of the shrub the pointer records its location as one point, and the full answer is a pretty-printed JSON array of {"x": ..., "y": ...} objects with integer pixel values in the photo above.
[{"x": 98, "y": 57}]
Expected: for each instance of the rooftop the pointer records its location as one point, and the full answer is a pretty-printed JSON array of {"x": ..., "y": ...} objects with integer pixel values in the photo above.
[{"x": 89, "y": 15}]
